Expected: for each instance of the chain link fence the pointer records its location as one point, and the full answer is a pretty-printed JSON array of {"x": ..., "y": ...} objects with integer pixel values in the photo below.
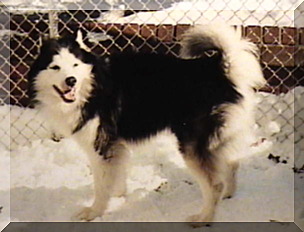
[{"x": 153, "y": 26}]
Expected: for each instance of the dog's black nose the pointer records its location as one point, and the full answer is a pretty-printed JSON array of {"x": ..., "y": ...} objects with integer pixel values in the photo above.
[{"x": 70, "y": 81}]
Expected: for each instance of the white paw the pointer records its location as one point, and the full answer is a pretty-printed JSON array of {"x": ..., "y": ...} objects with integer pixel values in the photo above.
[
  {"x": 229, "y": 194},
  {"x": 199, "y": 224},
  {"x": 200, "y": 220},
  {"x": 87, "y": 214},
  {"x": 120, "y": 192},
  {"x": 57, "y": 137}
]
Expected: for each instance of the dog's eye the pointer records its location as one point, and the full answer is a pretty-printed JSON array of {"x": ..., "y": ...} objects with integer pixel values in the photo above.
[
  {"x": 55, "y": 67},
  {"x": 75, "y": 65}
]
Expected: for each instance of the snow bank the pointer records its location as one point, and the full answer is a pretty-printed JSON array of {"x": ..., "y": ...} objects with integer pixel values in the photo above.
[
  {"x": 237, "y": 12},
  {"x": 51, "y": 181},
  {"x": 29, "y": 6}
]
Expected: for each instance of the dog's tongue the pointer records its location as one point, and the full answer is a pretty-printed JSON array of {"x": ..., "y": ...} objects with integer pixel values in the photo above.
[{"x": 70, "y": 95}]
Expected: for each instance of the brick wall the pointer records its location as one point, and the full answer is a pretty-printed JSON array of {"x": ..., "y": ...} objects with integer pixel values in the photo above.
[{"x": 281, "y": 49}]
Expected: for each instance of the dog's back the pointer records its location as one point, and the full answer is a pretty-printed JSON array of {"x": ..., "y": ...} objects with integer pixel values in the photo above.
[{"x": 159, "y": 91}]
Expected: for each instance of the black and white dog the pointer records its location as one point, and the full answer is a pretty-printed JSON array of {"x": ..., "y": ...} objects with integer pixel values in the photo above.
[{"x": 205, "y": 97}]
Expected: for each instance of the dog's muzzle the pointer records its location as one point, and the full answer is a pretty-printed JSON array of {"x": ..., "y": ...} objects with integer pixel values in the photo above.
[{"x": 67, "y": 95}]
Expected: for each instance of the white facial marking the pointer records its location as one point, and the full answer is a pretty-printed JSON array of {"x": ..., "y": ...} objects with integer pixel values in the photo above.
[{"x": 51, "y": 82}]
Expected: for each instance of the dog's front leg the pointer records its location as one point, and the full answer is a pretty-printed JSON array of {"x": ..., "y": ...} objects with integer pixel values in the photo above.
[{"x": 109, "y": 174}]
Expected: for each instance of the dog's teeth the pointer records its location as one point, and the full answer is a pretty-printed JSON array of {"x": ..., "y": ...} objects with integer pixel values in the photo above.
[{"x": 70, "y": 95}]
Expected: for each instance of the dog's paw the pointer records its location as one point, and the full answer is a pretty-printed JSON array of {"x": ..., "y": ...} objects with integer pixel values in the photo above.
[
  {"x": 199, "y": 224},
  {"x": 199, "y": 220},
  {"x": 120, "y": 191},
  {"x": 56, "y": 137},
  {"x": 87, "y": 214}
]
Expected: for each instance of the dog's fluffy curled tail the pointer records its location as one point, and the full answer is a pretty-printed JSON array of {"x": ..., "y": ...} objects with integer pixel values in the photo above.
[{"x": 240, "y": 57}]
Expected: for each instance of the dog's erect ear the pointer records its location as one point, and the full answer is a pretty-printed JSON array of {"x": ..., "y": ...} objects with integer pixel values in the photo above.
[
  {"x": 79, "y": 40},
  {"x": 47, "y": 45},
  {"x": 44, "y": 38}
]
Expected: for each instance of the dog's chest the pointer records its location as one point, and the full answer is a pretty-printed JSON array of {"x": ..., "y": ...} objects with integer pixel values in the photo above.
[
  {"x": 87, "y": 134},
  {"x": 62, "y": 119}
]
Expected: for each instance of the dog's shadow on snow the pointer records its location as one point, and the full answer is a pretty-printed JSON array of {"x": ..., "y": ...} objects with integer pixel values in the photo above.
[
  {"x": 178, "y": 197},
  {"x": 45, "y": 204},
  {"x": 173, "y": 201}
]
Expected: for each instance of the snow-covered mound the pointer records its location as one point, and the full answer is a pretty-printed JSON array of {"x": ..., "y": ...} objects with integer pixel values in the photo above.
[{"x": 237, "y": 12}]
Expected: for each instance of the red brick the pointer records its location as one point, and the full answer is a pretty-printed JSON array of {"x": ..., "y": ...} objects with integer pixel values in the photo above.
[
  {"x": 278, "y": 55},
  {"x": 301, "y": 40},
  {"x": 148, "y": 30},
  {"x": 254, "y": 33},
  {"x": 299, "y": 56},
  {"x": 165, "y": 33},
  {"x": 95, "y": 26},
  {"x": 114, "y": 25},
  {"x": 289, "y": 36},
  {"x": 113, "y": 29},
  {"x": 271, "y": 35},
  {"x": 130, "y": 29}
]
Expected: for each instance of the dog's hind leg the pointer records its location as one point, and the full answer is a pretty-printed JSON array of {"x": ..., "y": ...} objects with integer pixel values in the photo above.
[
  {"x": 227, "y": 167},
  {"x": 208, "y": 188},
  {"x": 215, "y": 174},
  {"x": 109, "y": 173},
  {"x": 206, "y": 168},
  {"x": 230, "y": 179}
]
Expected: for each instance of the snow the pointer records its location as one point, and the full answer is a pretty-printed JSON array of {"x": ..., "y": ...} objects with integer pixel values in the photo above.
[
  {"x": 31, "y": 6},
  {"x": 299, "y": 19},
  {"x": 50, "y": 181},
  {"x": 237, "y": 12}
]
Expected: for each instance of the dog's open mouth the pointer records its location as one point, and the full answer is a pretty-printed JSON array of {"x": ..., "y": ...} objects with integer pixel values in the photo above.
[{"x": 68, "y": 95}]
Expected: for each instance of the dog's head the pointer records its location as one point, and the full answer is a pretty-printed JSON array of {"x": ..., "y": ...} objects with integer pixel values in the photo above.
[{"x": 62, "y": 72}]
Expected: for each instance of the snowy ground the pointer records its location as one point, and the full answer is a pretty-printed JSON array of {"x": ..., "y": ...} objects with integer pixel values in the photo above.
[{"x": 51, "y": 181}]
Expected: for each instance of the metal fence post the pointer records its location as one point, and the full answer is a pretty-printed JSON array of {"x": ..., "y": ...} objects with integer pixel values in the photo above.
[{"x": 53, "y": 19}]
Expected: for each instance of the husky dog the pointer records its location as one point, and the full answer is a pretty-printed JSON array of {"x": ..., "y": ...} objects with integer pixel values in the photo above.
[{"x": 205, "y": 98}]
